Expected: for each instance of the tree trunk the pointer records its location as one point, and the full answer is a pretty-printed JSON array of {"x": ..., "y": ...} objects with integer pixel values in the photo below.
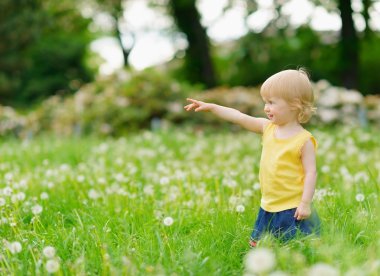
[
  {"x": 366, "y": 7},
  {"x": 115, "y": 10},
  {"x": 349, "y": 46},
  {"x": 126, "y": 51},
  {"x": 198, "y": 59}
]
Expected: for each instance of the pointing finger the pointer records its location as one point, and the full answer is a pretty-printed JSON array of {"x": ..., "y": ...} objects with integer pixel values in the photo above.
[{"x": 193, "y": 101}]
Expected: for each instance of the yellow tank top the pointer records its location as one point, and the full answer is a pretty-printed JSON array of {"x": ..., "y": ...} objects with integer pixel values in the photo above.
[{"x": 281, "y": 171}]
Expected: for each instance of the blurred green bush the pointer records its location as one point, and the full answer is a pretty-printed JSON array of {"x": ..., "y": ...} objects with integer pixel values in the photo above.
[
  {"x": 127, "y": 101},
  {"x": 113, "y": 105}
]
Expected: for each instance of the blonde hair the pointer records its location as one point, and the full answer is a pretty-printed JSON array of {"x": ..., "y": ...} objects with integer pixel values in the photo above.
[{"x": 295, "y": 88}]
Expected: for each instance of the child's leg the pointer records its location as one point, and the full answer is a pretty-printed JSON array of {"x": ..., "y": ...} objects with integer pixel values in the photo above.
[
  {"x": 284, "y": 225},
  {"x": 261, "y": 225}
]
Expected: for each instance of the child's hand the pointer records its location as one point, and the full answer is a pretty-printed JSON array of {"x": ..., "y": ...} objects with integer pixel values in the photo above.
[
  {"x": 303, "y": 211},
  {"x": 198, "y": 106}
]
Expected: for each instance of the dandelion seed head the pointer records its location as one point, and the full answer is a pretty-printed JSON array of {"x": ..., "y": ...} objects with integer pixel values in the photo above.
[
  {"x": 8, "y": 176},
  {"x": 23, "y": 183},
  {"x": 120, "y": 177},
  {"x": 278, "y": 273},
  {"x": 168, "y": 221},
  {"x": 52, "y": 266},
  {"x": 260, "y": 260},
  {"x": 256, "y": 186},
  {"x": 164, "y": 180},
  {"x": 49, "y": 252},
  {"x": 323, "y": 269},
  {"x": 50, "y": 185},
  {"x": 7, "y": 191},
  {"x": 93, "y": 194},
  {"x": 37, "y": 209},
  {"x": 247, "y": 193},
  {"x": 14, "y": 199},
  {"x": 325, "y": 169},
  {"x": 240, "y": 208},
  {"x": 44, "y": 196},
  {"x": 14, "y": 247},
  {"x": 102, "y": 180},
  {"x": 64, "y": 167},
  {"x": 80, "y": 178},
  {"x": 233, "y": 200},
  {"x": 360, "y": 197},
  {"x": 148, "y": 190}
]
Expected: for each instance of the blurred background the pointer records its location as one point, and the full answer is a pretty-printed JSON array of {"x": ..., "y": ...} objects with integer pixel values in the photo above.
[{"x": 111, "y": 66}]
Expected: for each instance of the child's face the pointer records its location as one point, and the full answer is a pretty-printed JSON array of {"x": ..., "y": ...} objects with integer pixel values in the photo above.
[{"x": 279, "y": 111}]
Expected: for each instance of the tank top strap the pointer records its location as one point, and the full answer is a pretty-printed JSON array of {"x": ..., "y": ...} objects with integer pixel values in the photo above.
[{"x": 303, "y": 138}]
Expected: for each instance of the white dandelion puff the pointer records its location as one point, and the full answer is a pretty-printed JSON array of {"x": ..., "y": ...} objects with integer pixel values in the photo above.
[
  {"x": 49, "y": 252},
  {"x": 120, "y": 177},
  {"x": 323, "y": 269},
  {"x": 168, "y": 221},
  {"x": 278, "y": 273},
  {"x": 164, "y": 180},
  {"x": 2, "y": 201},
  {"x": 23, "y": 183},
  {"x": 37, "y": 209},
  {"x": 325, "y": 169},
  {"x": 148, "y": 190},
  {"x": 14, "y": 247},
  {"x": 240, "y": 208},
  {"x": 93, "y": 194},
  {"x": 359, "y": 197},
  {"x": 247, "y": 193},
  {"x": 260, "y": 260},
  {"x": 64, "y": 167},
  {"x": 20, "y": 196},
  {"x": 7, "y": 191},
  {"x": 52, "y": 266},
  {"x": 8, "y": 176},
  {"x": 44, "y": 196},
  {"x": 14, "y": 199}
]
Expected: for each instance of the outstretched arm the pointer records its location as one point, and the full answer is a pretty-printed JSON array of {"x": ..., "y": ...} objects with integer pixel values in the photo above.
[{"x": 229, "y": 114}]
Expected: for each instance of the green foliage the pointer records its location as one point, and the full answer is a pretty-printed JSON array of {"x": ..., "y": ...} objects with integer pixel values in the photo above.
[
  {"x": 369, "y": 66},
  {"x": 42, "y": 50},
  {"x": 114, "y": 105},
  {"x": 252, "y": 59}
]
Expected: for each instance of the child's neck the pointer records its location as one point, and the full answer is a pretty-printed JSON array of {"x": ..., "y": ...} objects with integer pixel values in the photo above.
[
  {"x": 288, "y": 130},
  {"x": 290, "y": 125}
]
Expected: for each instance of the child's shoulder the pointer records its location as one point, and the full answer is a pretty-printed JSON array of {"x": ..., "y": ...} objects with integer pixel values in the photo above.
[{"x": 310, "y": 139}]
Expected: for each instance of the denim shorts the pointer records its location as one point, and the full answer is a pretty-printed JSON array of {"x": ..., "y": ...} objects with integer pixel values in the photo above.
[{"x": 284, "y": 226}]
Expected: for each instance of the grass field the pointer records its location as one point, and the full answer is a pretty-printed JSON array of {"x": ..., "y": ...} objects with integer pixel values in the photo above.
[{"x": 178, "y": 203}]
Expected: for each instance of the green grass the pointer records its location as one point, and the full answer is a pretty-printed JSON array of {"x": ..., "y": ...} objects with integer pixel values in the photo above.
[{"x": 107, "y": 199}]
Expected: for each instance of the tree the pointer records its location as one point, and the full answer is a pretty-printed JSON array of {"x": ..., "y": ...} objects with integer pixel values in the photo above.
[
  {"x": 349, "y": 46},
  {"x": 42, "y": 49},
  {"x": 199, "y": 65},
  {"x": 348, "y": 42},
  {"x": 115, "y": 9}
]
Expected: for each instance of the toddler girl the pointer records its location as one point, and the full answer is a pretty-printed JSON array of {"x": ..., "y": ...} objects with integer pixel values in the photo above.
[{"x": 288, "y": 164}]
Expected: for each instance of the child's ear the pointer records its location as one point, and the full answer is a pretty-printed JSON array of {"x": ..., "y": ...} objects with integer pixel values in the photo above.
[{"x": 295, "y": 105}]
